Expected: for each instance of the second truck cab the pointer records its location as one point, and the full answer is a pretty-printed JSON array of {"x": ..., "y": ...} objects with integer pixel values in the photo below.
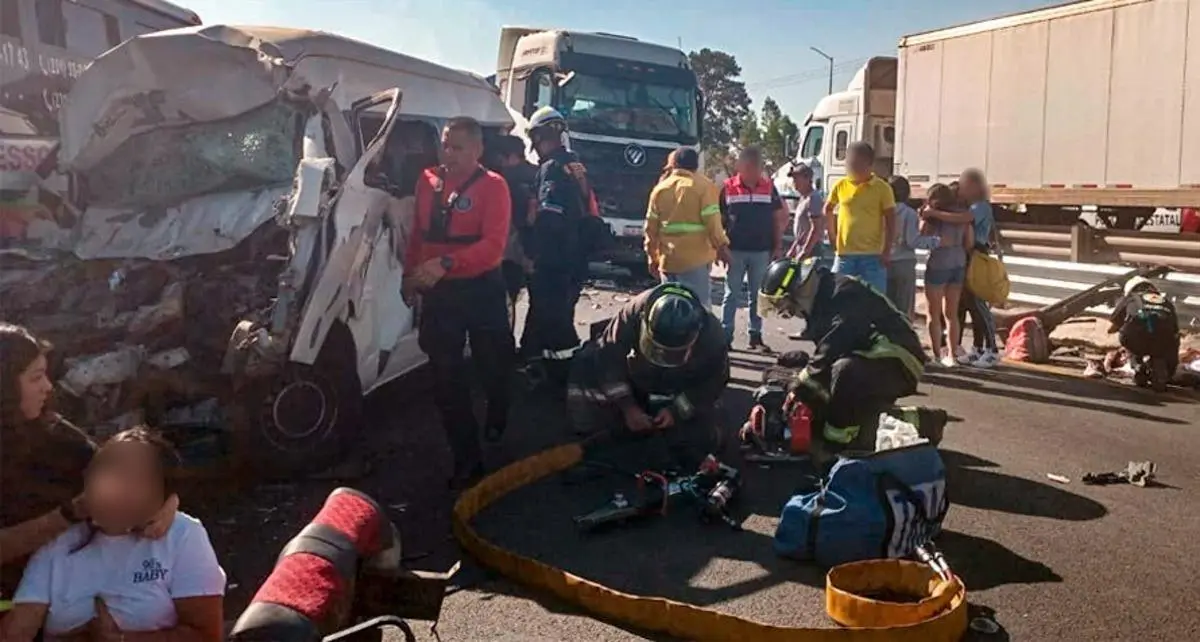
[
  {"x": 864, "y": 111},
  {"x": 628, "y": 104}
]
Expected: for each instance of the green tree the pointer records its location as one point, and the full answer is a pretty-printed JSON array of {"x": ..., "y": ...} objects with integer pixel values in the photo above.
[
  {"x": 726, "y": 102},
  {"x": 748, "y": 132},
  {"x": 777, "y": 130}
]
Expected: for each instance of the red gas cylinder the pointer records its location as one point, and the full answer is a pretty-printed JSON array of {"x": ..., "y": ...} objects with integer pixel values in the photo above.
[{"x": 800, "y": 424}]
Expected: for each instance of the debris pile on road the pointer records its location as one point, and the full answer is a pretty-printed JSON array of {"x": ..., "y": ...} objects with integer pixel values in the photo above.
[
  {"x": 138, "y": 333},
  {"x": 1138, "y": 473}
]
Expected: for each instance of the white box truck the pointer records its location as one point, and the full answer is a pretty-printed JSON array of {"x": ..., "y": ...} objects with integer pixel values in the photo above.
[{"x": 1088, "y": 104}]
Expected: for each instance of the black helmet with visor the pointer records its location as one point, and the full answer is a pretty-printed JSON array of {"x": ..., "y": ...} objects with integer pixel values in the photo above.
[{"x": 671, "y": 326}]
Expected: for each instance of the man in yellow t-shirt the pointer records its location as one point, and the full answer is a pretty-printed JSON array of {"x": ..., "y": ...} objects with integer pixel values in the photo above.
[{"x": 862, "y": 212}]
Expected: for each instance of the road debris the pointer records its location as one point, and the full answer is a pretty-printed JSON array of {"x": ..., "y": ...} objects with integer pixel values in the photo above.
[
  {"x": 1058, "y": 478},
  {"x": 1138, "y": 473},
  {"x": 119, "y": 325}
]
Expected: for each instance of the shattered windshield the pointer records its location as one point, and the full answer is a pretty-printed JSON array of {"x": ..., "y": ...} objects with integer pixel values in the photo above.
[
  {"x": 617, "y": 106},
  {"x": 166, "y": 166}
]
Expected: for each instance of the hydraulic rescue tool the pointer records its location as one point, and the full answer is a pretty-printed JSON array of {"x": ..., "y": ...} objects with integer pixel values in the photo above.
[
  {"x": 779, "y": 428},
  {"x": 713, "y": 488}
]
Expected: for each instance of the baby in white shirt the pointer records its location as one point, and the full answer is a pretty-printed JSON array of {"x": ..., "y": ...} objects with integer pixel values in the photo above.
[{"x": 144, "y": 584}]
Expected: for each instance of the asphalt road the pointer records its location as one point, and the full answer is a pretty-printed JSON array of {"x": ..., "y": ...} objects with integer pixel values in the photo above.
[{"x": 1054, "y": 562}]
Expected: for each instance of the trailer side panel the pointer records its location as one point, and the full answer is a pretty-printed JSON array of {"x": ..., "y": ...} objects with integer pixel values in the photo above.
[
  {"x": 1189, "y": 160},
  {"x": 1017, "y": 105},
  {"x": 962, "y": 141},
  {"x": 1079, "y": 68},
  {"x": 918, "y": 112},
  {"x": 1146, "y": 96}
]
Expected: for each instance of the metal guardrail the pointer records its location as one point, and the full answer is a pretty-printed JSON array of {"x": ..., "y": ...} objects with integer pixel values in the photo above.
[
  {"x": 1083, "y": 244},
  {"x": 1038, "y": 281}
]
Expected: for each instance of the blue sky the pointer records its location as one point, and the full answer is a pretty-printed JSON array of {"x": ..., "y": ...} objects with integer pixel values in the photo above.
[{"x": 770, "y": 38}]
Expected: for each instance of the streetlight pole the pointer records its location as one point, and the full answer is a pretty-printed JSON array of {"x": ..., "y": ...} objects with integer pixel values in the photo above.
[{"x": 830, "y": 59}]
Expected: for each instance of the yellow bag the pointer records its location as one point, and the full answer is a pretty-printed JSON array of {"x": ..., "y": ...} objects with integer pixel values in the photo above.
[{"x": 987, "y": 279}]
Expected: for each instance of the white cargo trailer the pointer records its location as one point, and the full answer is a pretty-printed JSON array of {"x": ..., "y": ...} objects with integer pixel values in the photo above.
[{"x": 1088, "y": 103}]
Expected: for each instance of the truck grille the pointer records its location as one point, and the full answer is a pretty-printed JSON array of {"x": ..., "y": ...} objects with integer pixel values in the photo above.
[{"x": 622, "y": 191}]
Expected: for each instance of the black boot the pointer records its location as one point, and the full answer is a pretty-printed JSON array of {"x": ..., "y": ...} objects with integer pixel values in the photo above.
[{"x": 757, "y": 344}]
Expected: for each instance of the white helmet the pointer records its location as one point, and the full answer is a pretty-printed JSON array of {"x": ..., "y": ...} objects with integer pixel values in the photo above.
[
  {"x": 1138, "y": 282},
  {"x": 547, "y": 117}
]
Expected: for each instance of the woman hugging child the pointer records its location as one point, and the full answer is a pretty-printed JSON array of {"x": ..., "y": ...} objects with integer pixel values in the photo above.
[{"x": 945, "y": 271}]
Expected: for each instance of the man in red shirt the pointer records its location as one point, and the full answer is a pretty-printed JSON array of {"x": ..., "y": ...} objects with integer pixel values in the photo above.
[{"x": 452, "y": 263}]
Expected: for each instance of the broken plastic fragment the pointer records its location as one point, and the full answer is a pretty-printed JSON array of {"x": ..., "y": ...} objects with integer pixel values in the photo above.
[
  {"x": 102, "y": 370},
  {"x": 168, "y": 359}
]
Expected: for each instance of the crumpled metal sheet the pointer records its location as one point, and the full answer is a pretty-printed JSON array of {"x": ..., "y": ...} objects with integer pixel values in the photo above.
[
  {"x": 138, "y": 86},
  {"x": 202, "y": 225}
]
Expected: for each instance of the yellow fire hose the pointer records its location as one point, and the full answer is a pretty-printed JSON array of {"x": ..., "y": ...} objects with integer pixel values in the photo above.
[{"x": 940, "y": 615}]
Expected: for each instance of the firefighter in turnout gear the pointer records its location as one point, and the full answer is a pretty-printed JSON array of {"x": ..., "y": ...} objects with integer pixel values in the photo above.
[
  {"x": 655, "y": 371},
  {"x": 867, "y": 354},
  {"x": 555, "y": 246},
  {"x": 1148, "y": 328}
]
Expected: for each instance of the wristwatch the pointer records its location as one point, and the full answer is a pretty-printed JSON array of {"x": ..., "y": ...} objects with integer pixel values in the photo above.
[
  {"x": 69, "y": 513},
  {"x": 447, "y": 263}
]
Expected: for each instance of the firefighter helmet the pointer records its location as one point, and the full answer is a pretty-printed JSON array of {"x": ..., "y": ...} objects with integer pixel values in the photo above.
[
  {"x": 546, "y": 121},
  {"x": 671, "y": 326},
  {"x": 789, "y": 287},
  {"x": 1138, "y": 283}
]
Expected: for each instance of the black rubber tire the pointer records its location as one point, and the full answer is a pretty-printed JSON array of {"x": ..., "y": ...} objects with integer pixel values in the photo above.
[{"x": 304, "y": 419}]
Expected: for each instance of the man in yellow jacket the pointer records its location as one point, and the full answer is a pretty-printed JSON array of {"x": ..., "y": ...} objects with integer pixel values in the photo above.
[{"x": 684, "y": 234}]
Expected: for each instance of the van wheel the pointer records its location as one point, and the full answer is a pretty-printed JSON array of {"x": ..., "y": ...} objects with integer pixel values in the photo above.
[{"x": 304, "y": 419}]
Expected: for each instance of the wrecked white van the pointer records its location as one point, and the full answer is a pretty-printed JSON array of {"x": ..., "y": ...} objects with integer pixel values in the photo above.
[{"x": 242, "y": 198}]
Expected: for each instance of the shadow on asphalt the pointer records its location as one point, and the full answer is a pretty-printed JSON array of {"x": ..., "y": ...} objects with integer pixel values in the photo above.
[
  {"x": 968, "y": 484},
  {"x": 1074, "y": 386},
  {"x": 1071, "y": 394},
  {"x": 984, "y": 564}
]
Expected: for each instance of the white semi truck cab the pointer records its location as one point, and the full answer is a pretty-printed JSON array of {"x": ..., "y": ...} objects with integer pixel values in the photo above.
[
  {"x": 628, "y": 104},
  {"x": 864, "y": 111}
]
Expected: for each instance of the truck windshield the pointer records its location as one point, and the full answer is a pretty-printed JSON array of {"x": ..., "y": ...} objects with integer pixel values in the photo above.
[{"x": 618, "y": 106}]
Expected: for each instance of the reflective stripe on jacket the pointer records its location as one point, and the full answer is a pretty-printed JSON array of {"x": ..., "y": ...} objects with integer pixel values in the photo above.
[{"x": 683, "y": 223}]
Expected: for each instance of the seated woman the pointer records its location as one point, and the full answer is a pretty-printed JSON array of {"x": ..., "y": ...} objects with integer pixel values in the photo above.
[
  {"x": 103, "y": 580},
  {"x": 43, "y": 459}
]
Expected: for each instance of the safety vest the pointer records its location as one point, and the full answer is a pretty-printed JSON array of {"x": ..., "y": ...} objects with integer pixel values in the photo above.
[{"x": 750, "y": 214}]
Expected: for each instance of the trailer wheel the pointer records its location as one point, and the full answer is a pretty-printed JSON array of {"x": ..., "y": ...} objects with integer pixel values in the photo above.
[{"x": 304, "y": 419}]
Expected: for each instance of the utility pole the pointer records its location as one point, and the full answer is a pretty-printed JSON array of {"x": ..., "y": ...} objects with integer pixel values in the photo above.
[{"x": 830, "y": 59}]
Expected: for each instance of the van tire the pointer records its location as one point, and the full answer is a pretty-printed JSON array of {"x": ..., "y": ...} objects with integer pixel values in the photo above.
[{"x": 305, "y": 419}]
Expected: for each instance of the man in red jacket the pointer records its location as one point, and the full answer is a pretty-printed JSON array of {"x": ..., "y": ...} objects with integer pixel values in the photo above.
[{"x": 452, "y": 263}]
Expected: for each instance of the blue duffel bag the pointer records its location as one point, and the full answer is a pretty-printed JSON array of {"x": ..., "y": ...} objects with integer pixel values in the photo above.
[{"x": 882, "y": 505}]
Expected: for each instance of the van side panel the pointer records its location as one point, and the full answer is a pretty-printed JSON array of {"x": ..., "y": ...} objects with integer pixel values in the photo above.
[
  {"x": 919, "y": 111},
  {"x": 1077, "y": 78},
  {"x": 962, "y": 141},
  {"x": 1016, "y": 108},
  {"x": 1144, "y": 125},
  {"x": 1189, "y": 171}
]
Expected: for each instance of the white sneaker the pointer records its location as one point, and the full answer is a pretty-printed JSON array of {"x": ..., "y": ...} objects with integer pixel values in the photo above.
[
  {"x": 989, "y": 359},
  {"x": 947, "y": 361},
  {"x": 967, "y": 358}
]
